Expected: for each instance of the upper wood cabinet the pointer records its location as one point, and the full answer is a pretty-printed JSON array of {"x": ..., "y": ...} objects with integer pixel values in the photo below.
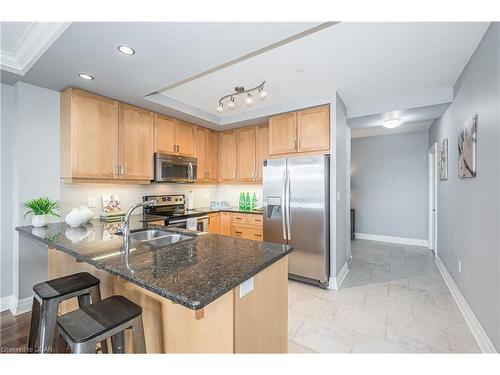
[
  {"x": 212, "y": 155},
  {"x": 262, "y": 137},
  {"x": 302, "y": 131},
  {"x": 247, "y": 149},
  {"x": 313, "y": 129},
  {"x": 228, "y": 156},
  {"x": 184, "y": 138},
  {"x": 89, "y": 136},
  {"x": 283, "y": 134},
  {"x": 136, "y": 143},
  {"x": 164, "y": 134},
  {"x": 200, "y": 153},
  {"x": 173, "y": 136}
]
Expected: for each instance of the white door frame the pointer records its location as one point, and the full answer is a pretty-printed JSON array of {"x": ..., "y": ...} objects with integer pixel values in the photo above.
[{"x": 433, "y": 178}]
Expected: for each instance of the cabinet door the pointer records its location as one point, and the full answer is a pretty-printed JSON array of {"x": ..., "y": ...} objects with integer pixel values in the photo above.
[
  {"x": 200, "y": 153},
  {"x": 212, "y": 156},
  {"x": 184, "y": 138},
  {"x": 283, "y": 134},
  {"x": 225, "y": 223},
  {"x": 164, "y": 134},
  {"x": 246, "y": 154},
  {"x": 214, "y": 225},
  {"x": 313, "y": 129},
  {"x": 262, "y": 150},
  {"x": 228, "y": 155},
  {"x": 136, "y": 143},
  {"x": 92, "y": 133}
]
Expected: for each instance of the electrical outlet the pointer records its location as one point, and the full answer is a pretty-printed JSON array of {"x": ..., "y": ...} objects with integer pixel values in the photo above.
[
  {"x": 459, "y": 265},
  {"x": 246, "y": 287},
  {"x": 91, "y": 202}
]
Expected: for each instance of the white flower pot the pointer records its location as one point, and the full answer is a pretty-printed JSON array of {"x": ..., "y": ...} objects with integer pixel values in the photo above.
[{"x": 39, "y": 221}]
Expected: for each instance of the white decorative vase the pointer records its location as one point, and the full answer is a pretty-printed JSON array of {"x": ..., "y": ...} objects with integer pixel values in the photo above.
[
  {"x": 39, "y": 221},
  {"x": 75, "y": 218},
  {"x": 87, "y": 213}
]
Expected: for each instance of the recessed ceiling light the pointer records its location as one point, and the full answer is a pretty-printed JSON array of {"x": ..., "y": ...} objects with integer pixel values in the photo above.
[
  {"x": 86, "y": 76},
  {"x": 126, "y": 50},
  {"x": 300, "y": 70},
  {"x": 392, "y": 123}
]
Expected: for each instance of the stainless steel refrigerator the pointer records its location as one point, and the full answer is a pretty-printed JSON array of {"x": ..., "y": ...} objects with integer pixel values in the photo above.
[{"x": 297, "y": 211}]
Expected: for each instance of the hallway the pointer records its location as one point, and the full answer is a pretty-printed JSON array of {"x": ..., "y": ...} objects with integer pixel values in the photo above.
[{"x": 393, "y": 300}]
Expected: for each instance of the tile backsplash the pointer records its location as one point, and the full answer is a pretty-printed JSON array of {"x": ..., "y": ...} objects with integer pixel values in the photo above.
[{"x": 76, "y": 195}]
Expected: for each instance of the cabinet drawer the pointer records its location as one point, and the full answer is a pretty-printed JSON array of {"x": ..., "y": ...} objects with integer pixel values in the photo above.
[
  {"x": 246, "y": 232},
  {"x": 255, "y": 220},
  {"x": 238, "y": 218}
]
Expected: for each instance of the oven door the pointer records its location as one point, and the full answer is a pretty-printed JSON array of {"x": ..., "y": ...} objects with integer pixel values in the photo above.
[
  {"x": 201, "y": 225},
  {"x": 173, "y": 168}
]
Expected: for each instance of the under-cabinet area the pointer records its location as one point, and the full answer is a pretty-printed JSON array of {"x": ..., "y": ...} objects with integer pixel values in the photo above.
[
  {"x": 236, "y": 224},
  {"x": 123, "y": 139}
]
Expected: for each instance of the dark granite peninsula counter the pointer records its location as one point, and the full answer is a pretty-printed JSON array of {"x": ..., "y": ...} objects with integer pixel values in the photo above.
[{"x": 203, "y": 273}]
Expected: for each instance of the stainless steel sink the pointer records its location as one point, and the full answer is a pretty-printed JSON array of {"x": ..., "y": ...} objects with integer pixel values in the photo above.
[
  {"x": 167, "y": 240},
  {"x": 149, "y": 235}
]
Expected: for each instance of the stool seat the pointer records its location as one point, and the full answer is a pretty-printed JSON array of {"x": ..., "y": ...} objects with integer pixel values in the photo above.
[
  {"x": 91, "y": 321},
  {"x": 63, "y": 286}
]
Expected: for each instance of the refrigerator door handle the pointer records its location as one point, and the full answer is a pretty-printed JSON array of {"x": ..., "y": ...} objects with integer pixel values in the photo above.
[
  {"x": 289, "y": 235},
  {"x": 283, "y": 205}
]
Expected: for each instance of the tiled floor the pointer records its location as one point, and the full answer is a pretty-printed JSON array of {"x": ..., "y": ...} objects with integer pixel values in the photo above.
[{"x": 393, "y": 300}]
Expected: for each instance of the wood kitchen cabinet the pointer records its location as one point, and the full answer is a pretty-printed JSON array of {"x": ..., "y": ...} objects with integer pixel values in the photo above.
[
  {"x": 262, "y": 137},
  {"x": 214, "y": 223},
  {"x": 248, "y": 226},
  {"x": 212, "y": 155},
  {"x": 228, "y": 156},
  {"x": 303, "y": 131},
  {"x": 136, "y": 143},
  {"x": 206, "y": 151},
  {"x": 173, "y": 136},
  {"x": 247, "y": 149},
  {"x": 225, "y": 223},
  {"x": 89, "y": 136}
]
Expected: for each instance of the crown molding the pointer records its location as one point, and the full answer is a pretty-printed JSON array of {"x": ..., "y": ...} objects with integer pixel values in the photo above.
[{"x": 31, "y": 46}]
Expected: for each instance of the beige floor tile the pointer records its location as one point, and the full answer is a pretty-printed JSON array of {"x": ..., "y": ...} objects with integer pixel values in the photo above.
[
  {"x": 295, "y": 321},
  {"x": 294, "y": 348},
  {"x": 325, "y": 337},
  {"x": 316, "y": 307},
  {"x": 369, "y": 322},
  {"x": 367, "y": 344}
]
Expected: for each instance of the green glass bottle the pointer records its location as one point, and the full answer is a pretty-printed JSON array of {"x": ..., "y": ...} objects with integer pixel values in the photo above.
[
  {"x": 254, "y": 202},
  {"x": 242, "y": 201},
  {"x": 247, "y": 202}
]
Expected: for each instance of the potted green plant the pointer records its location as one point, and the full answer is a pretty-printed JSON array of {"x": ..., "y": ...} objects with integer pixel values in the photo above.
[{"x": 41, "y": 208}]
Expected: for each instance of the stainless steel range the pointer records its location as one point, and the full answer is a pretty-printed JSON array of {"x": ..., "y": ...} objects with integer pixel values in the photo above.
[{"x": 173, "y": 208}]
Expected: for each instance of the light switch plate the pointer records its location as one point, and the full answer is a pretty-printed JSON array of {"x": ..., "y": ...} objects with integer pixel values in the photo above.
[{"x": 246, "y": 287}]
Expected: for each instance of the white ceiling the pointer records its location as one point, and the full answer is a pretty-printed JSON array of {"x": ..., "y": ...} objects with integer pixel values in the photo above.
[
  {"x": 375, "y": 67},
  {"x": 365, "y": 62}
]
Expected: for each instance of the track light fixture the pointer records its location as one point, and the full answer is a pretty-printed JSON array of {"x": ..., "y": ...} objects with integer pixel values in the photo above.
[{"x": 240, "y": 90}]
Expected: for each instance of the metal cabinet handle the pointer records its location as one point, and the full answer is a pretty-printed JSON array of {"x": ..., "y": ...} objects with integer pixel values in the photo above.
[
  {"x": 295, "y": 144},
  {"x": 122, "y": 170},
  {"x": 283, "y": 215},
  {"x": 299, "y": 145},
  {"x": 288, "y": 205}
]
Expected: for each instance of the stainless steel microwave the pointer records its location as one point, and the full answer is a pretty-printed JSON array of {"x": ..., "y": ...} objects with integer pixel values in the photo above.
[{"x": 174, "y": 168}]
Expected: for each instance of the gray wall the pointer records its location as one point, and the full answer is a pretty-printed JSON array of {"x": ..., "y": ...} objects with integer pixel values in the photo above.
[
  {"x": 6, "y": 234},
  {"x": 341, "y": 162},
  {"x": 33, "y": 138},
  {"x": 389, "y": 184},
  {"x": 469, "y": 209}
]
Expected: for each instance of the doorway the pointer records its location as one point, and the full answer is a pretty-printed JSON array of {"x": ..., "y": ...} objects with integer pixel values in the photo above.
[{"x": 433, "y": 176}]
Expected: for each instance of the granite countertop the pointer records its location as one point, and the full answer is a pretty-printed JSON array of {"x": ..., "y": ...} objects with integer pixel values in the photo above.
[{"x": 192, "y": 273}]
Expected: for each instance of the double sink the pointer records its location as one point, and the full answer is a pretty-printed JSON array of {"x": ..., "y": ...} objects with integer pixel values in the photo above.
[{"x": 157, "y": 237}]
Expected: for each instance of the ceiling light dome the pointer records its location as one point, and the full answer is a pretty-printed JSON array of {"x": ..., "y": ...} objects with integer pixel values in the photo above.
[
  {"x": 126, "y": 50},
  {"x": 86, "y": 76},
  {"x": 392, "y": 123}
]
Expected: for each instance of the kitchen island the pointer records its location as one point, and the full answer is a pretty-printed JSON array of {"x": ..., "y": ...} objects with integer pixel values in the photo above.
[{"x": 189, "y": 291}]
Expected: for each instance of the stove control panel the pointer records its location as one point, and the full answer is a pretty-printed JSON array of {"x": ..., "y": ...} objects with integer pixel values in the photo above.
[{"x": 166, "y": 200}]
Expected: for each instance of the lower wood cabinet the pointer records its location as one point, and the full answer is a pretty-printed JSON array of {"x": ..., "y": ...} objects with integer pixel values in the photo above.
[{"x": 236, "y": 224}]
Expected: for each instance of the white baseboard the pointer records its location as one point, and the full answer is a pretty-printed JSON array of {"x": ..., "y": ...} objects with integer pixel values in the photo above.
[
  {"x": 6, "y": 303},
  {"x": 335, "y": 282},
  {"x": 391, "y": 239},
  {"x": 478, "y": 332},
  {"x": 21, "y": 306}
]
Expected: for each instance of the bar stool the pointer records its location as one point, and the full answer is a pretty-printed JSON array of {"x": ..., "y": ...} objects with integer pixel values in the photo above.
[
  {"x": 82, "y": 329},
  {"x": 46, "y": 299}
]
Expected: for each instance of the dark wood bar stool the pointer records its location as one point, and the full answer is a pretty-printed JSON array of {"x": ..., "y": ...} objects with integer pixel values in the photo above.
[
  {"x": 82, "y": 329},
  {"x": 46, "y": 299}
]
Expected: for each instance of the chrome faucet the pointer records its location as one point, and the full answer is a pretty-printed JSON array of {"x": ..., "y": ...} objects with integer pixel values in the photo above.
[{"x": 125, "y": 227}]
